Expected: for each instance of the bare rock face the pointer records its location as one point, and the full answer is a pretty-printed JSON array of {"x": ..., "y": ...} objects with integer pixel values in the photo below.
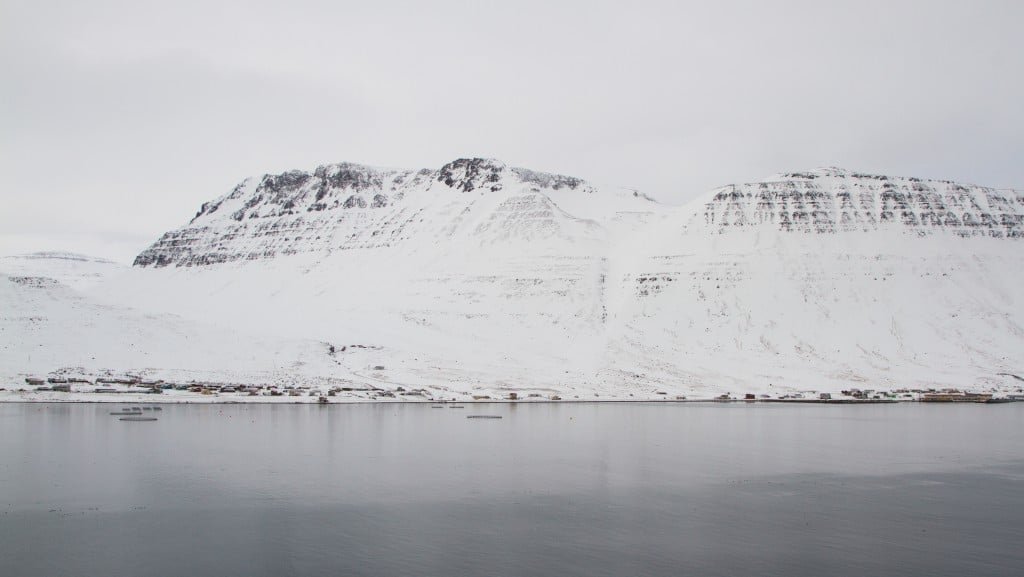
[
  {"x": 34, "y": 281},
  {"x": 552, "y": 181},
  {"x": 469, "y": 174},
  {"x": 831, "y": 200}
]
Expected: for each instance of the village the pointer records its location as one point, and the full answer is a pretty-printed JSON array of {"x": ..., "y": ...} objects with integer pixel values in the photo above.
[{"x": 64, "y": 388}]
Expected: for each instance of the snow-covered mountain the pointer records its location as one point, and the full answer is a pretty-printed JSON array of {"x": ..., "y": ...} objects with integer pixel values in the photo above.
[
  {"x": 352, "y": 207},
  {"x": 479, "y": 278},
  {"x": 830, "y": 278}
]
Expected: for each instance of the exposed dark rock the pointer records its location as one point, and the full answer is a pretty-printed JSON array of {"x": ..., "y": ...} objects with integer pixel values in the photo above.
[
  {"x": 355, "y": 202},
  {"x": 468, "y": 174}
]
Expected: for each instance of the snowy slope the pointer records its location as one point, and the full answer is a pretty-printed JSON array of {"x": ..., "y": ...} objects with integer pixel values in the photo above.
[
  {"x": 77, "y": 271},
  {"x": 479, "y": 278},
  {"x": 47, "y": 326}
]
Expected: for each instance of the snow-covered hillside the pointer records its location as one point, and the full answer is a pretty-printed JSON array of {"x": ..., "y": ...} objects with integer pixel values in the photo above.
[
  {"x": 50, "y": 327},
  {"x": 77, "y": 271},
  {"x": 830, "y": 279},
  {"x": 479, "y": 278}
]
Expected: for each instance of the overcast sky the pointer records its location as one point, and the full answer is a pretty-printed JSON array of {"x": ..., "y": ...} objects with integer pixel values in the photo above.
[{"x": 119, "y": 118}]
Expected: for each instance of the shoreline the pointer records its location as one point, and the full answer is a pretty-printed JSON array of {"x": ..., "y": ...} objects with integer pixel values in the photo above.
[
  {"x": 149, "y": 400},
  {"x": 79, "y": 390}
]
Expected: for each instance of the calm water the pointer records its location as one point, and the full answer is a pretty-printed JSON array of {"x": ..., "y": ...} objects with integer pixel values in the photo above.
[{"x": 558, "y": 489}]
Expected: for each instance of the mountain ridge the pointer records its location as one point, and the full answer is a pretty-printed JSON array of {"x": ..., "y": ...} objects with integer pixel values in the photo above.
[
  {"x": 280, "y": 206},
  {"x": 822, "y": 200}
]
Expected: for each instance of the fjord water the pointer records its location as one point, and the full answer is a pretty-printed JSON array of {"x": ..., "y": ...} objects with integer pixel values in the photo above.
[{"x": 549, "y": 489}]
